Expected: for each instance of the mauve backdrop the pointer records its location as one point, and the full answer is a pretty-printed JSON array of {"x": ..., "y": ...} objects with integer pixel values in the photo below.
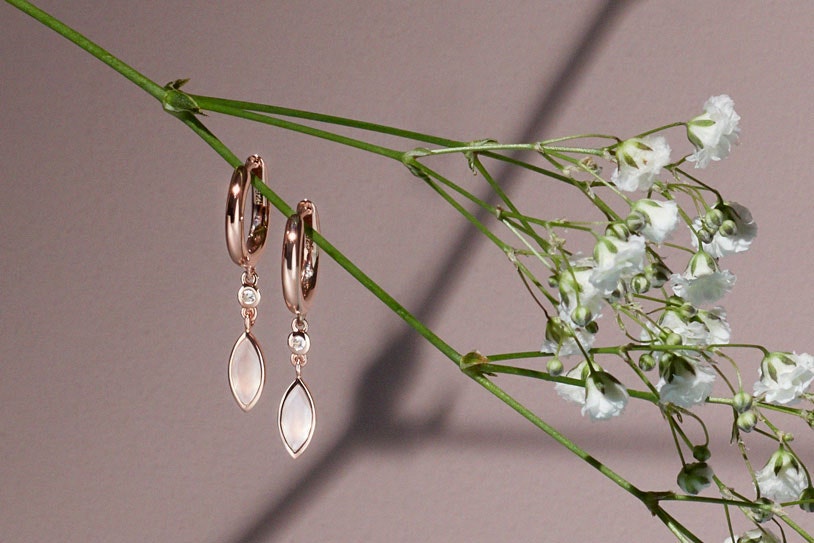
[{"x": 118, "y": 297}]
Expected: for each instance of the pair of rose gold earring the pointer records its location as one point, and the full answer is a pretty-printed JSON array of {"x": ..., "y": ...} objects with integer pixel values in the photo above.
[{"x": 296, "y": 418}]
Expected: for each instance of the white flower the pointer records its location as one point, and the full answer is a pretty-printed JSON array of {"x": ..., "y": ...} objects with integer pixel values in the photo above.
[
  {"x": 702, "y": 281},
  {"x": 714, "y": 132},
  {"x": 784, "y": 377},
  {"x": 616, "y": 260},
  {"x": 661, "y": 218},
  {"x": 605, "y": 396},
  {"x": 726, "y": 244},
  {"x": 573, "y": 393},
  {"x": 718, "y": 330},
  {"x": 561, "y": 338},
  {"x": 782, "y": 479},
  {"x": 704, "y": 328},
  {"x": 760, "y": 535},
  {"x": 684, "y": 382},
  {"x": 639, "y": 161},
  {"x": 576, "y": 290}
]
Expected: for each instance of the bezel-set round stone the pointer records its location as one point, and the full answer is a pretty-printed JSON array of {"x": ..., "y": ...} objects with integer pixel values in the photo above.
[
  {"x": 299, "y": 342},
  {"x": 248, "y": 296}
]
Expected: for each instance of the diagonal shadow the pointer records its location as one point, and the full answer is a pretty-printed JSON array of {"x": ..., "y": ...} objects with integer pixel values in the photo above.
[{"x": 383, "y": 384}]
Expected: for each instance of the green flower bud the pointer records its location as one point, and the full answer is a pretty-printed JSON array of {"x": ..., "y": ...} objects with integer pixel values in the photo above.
[
  {"x": 647, "y": 362},
  {"x": 581, "y": 315},
  {"x": 760, "y": 515},
  {"x": 714, "y": 218},
  {"x": 747, "y": 420},
  {"x": 592, "y": 327},
  {"x": 635, "y": 222},
  {"x": 553, "y": 281},
  {"x": 639, "y": 283},
  {"x": 742, "y": 401},
  {"x": 693, "y": 478},
  {"x": 728, "y": 228},
  {"x": 807, "y": 497},
  {"x": 657, "y": 274},
  {"x": 554, "y": 366},
  {"x": 617, "y": 230},
  {"x": 705, "y": 235},
  {"x": 687, "y": 311},
  {"x": 676, "y": 301},
  {"x": 555, "y": 330},
  {"x": 673, "y": 339},
  {"x": 701, "y": 453}
]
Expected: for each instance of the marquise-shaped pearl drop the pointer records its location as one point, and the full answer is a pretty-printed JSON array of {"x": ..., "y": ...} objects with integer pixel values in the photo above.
[
  {"x": 247, "y": 372},
  {"x": 297, "y": 418}
]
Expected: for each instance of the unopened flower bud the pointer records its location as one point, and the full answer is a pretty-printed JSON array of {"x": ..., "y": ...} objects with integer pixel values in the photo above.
[
  {"x": 701, "y": 453},
  {"x": 747, "y": 420},
  {"x": 657, "y": 274},
  {"x": 553, "y": 281},
  {"x": 742, "y": 401},
  {"x": 676, "y": 301},
  {"x": 687, "y": 311},
  {"x": 705, "y": 235},
  {"x": 693, "y": 478},
  {"x": 714, "y": 218},
  {"x": 617, "y": 230},
  {"x": 807, "y": 497},
  {"x": 635, "y": 222},
  {"x": 554, "y": 366},
  {"x": 581, "y": 315},
  {"x": 702, "y": 264},
  {"x": 673, "y": 339},
  {"x": 639, "y": 283},
  {"x": 592, "y": 327},
  {"x": 760, "y": 514},
  {"x": 555, "y": 330},
  {"x": 647, "y": 362},
  {"x": 728, "y": 228}
]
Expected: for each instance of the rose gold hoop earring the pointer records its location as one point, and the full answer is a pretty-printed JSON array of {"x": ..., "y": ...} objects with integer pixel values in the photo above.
[
  {"x": 297, "y": 417},
  {"x": 247, "y": 372}
]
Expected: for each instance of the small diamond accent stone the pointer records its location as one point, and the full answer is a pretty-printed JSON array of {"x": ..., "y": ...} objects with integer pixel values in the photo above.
[
  {"x": 299, "y": 342},
  {"x": 248, "y": 296}
]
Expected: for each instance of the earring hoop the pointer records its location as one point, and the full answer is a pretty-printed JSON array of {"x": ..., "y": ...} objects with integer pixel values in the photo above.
[
  {"x": 300, "y": 258},
  {"x": 297, "y": 417},
  {"x": 244, "y": 249},
  {"x": 247, "y": 367}
]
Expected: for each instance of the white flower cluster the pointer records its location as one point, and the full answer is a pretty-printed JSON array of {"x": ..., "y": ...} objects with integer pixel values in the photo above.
[
  {"x": 687, "y": 331},
  {"x": 624, "y": 264}
]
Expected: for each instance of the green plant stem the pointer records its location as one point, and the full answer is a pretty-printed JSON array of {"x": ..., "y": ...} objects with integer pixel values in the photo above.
[
  {"x": 645, "y": 497},
  {"x": 303, "y": 129},
  {"x": 208, "y": 102},
  {"x": 794, "y": 526}
]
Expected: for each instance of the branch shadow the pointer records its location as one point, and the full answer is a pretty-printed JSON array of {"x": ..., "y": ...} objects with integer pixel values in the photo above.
[{"x": 382, "y": 386}]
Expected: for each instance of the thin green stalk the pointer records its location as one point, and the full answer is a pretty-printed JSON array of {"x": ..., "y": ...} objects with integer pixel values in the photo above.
[
  {"x": 508, "y": 201},
  {"x": 672, "y": 524},
  {"x": 486, "y": 383},
  {"x": 794, "y": 526},
  {"x": 208, "y": 102},
  {"x": 303, "y": 129},
  {"x": 545, "y": 376}
]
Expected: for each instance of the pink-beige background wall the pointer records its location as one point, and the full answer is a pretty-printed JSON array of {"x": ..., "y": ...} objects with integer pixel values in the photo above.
[{"x": 117, "y": 297}]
